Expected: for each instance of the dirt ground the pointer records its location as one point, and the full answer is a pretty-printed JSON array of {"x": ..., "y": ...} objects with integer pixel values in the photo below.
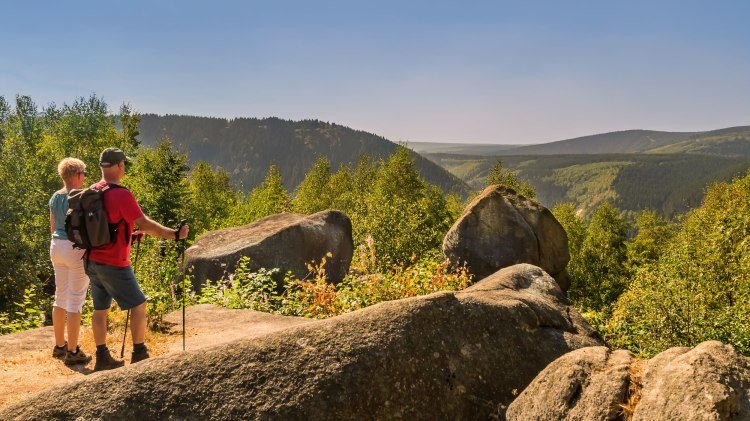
[{"x": 27, "y": 366}]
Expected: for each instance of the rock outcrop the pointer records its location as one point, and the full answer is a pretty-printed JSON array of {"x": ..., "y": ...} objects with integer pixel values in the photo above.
[
  {"x": 586, "y": 384},
  {"x": 708, "y": 382},
  {"x": 501, "y": 228},
  {"x": 288, "y": 241},
  {"x": 448, "y": 355}
]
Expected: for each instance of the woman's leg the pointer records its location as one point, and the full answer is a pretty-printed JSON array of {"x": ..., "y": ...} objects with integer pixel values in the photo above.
[
  {"x": 58, "y": 323},
  {"x": 59, "y": 265},
  {"x": 78, "y": 284},
  {"x": 74, "y": 328}
]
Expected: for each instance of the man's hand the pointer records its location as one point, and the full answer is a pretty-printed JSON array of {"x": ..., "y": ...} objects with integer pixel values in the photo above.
[
  {"x": 183, "y": 232},
  {"x": 136, "y": 236}
]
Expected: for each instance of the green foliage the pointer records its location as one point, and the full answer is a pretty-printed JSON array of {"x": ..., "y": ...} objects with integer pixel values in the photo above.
[
  {"x": 312, "y": 194},
  {"x": 404, "y": 216},
  {"x": 388, "y": 202},
  {"x": 653, "y": 235},
  {"x": 245, "y": 288},
  {"x": 158, "y": 181},
  {"x": 500, "y": 175},
  {"x": 598, "y": 266},
  {"x": 156, "y": 265},
  {"x": 699, "y": 287},
  {"x": 23, "y": 202},
  {"x": 29, "y": 312},
  {"x": 210, "y": 198},
  {"x": 269, "y": 198},
  {"x": 317, "y": 298}
]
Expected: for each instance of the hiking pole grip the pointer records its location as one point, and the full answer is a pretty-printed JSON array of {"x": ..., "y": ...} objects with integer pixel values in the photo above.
[{"x": 183, "y": 222}]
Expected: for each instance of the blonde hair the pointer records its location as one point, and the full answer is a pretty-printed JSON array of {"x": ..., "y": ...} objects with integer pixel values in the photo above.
[{"x": 69, "y": 167}]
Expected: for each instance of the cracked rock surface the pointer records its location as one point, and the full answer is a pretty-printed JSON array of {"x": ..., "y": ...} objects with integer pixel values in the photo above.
[
  {"x": 708, "y": 382},
  {"x": 448, "y": 355}
]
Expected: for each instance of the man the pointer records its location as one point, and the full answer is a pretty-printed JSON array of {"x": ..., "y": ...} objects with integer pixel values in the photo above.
[{"x": 109, "y": 266}]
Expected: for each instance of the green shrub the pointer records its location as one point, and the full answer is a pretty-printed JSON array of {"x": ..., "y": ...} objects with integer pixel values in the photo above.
[
  {"x": 28, "y": 314},
  {"x": 699, "y": 288},
  {"x": 245, "y": 288},
  {"x": 315, "y": 297}
]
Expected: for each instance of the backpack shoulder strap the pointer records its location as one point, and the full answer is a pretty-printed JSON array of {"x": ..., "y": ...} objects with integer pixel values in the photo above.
[
  {"x": 115, "y": 186},
  {"x": 111, "y": 186}
]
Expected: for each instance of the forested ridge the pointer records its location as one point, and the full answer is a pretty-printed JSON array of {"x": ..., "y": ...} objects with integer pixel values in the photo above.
[
  {"x": 668, "y": 183},
  {"x": 246, "y": 146}
]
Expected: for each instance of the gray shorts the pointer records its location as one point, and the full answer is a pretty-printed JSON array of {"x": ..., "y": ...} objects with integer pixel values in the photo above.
[{"x": 108, "y": 282}]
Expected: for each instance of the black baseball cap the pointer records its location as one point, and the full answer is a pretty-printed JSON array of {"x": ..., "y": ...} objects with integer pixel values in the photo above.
[{"x": 111, "y": 157}]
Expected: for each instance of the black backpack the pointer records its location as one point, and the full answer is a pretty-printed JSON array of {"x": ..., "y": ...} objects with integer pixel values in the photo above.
[{"x": 87, "y": 222}]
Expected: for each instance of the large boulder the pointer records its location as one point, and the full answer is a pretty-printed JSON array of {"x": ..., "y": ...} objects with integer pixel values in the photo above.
[
  {"x": 708, "y": 382},
  {"x": 448, "y": 355},
  {"x": 501, "y": 228},
  {"x": 288, "y": 241},
  {"x": 586, "y": 384}
]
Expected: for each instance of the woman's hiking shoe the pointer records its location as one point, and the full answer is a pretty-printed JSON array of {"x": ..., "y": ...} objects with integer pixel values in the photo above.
[
  {"x": 139, "y": 354},
  {"x": 78, "y": 357},
  {"x": 59, "y": 351},
  {"x": 104, "y": 361}
]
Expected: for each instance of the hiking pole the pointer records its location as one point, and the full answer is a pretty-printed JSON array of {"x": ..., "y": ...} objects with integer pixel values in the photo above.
[
  {"x": 183, "y": 222},
  {"x": 137, "y": 238}
]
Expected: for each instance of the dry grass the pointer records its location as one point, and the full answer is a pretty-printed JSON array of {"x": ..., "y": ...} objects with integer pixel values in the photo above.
[
  {"x": 634, "y": 389},
  {"x": 23, "y": 374},
  {"x": 156, "y": 341}
]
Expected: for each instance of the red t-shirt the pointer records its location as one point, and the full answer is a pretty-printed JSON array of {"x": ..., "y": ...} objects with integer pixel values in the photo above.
[{"x": 120, "y": 205}]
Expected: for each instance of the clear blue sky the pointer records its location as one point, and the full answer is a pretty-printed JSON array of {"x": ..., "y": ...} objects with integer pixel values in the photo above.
[{"x": 485, "y": 71}]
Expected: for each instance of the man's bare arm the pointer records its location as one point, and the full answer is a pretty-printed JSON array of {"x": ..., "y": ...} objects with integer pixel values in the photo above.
[{"x": 149, "y": 226}]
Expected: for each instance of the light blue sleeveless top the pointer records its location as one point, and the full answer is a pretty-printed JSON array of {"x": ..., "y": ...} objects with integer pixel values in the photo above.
[{"x": 58, "y": 205}]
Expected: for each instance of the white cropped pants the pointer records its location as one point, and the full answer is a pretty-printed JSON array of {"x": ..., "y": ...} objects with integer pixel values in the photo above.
[{"x": 71, "y": 281}]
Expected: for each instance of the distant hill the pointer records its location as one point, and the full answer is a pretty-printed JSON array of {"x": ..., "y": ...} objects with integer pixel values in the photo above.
[
  {"x": 629, "y": 141},
  {"x": 247, "y": 146},
  {"x": 716, "y": 142},
  {"x": 459, "y": 148},
  {"x": 733, "y": 141},
  {"x": 634, "y": 169},
  {"x": 668, "y": 183}
]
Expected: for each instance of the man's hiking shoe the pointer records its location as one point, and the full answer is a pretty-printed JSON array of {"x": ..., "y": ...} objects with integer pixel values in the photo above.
[
  {"x": 79, "y": 357},
  {"x": 139, "y": 354},
  {"x": 104, "y": 361},
  {"x": 59, "y": 352}
]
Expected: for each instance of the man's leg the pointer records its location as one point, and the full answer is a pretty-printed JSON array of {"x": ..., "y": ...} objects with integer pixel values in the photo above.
[
  {"x": 99, "y": 326},
  {"x": 138, "y": 323},
  {"x": 102, "y": 299}
]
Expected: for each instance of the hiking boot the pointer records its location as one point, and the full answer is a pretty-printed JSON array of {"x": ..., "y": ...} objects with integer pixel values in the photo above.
[
  {"x": 104, "y": 361},
  {"x": 139, "y": 354},
  {"x": 78, "y": 357},
  {"x": 59, "y": 352}
]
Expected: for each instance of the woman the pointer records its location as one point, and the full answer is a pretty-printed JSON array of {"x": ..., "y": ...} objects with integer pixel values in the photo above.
[{"x": 71, "y": 281}]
